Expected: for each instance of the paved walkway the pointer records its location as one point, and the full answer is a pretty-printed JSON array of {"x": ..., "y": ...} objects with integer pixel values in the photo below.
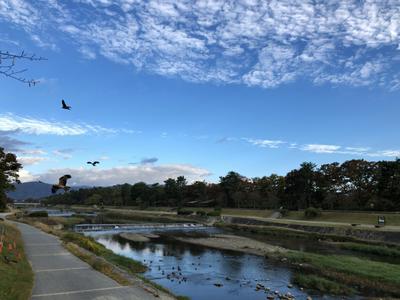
[{"x": 60, "y": 275}]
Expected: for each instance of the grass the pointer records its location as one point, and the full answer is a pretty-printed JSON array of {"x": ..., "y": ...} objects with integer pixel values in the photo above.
[
  {"x": 393, "y": 252},
  {"x": 274, "y": 231},
  {"x": 98, "y": 264},
  {"x": 91, "y": 245},
  {"x": 68, "y": 222},
  {"x": 321, "y": 284},
  {"x": 16, "y": 279},
  {"x": 351, "y": 270},
  {"x": 370, "y": 218}
]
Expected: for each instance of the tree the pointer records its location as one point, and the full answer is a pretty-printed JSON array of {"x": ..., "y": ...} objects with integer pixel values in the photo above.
[
  {"x": 181, "y": 189},
  {"x": 231, "y": 183},
  {"x": 94, "y": 199},
  {"x": 300, "y": 186},
  {"x": 8, "y": 66},
  {"x": 9, "y": 168}
]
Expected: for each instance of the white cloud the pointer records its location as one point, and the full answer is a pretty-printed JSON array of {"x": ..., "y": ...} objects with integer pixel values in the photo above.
[
  {"x": 385, "y": 153},
  {"x": 10, "y": 122},
  {"x": 64, "y": 153},
  {"x": 264, "y": 143},
  {"x": 258, "y": 43},
  {"x": 148, "y": 173},
  {"x": 32, "y": 152},
  {"x": 320, "y": 148},
  {"x": 30, "y": 160},
  {"x": 26, "y": 176}
]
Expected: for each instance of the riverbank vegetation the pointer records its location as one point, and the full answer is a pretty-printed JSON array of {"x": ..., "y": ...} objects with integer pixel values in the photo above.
[
  {"x": 320, "y": 284},
  {"x": 379, "y": 277},
  {"x": 16, "y": 276},
  {"x": 352, "y": 185}
]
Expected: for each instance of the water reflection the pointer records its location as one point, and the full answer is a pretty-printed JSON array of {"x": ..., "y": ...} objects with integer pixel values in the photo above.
[{"x": 195, "y": 271}]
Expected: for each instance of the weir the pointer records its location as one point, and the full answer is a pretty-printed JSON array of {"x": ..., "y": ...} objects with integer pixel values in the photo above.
[{"x": 123, "y": 227}]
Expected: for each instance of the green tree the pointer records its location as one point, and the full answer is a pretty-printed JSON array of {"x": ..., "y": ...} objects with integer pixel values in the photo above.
[
  {"x": 231, "y": 184},
  {"x": 300, "y": 186},
  {"x": 9, "y": 168},
  {"x": 94, "y": 199}
]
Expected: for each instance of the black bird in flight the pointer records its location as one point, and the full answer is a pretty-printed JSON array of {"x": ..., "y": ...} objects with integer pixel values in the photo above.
[
  {"x": 93, "y": 163},
  {"x": 64, "y": 105},
  {"x": 62, "y": 184}
]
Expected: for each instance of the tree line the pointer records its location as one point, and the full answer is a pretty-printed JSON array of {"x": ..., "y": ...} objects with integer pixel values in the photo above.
[{"x": 351, "y": 185}]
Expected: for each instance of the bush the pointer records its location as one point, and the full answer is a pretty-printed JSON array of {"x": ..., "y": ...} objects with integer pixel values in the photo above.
[
  {"x": 284, "y": 212},
  {"x": 201, "y": 213},
  {"x": 215, "y": 213},
  {"x": 185, "y": 212},
  {"x": 312, "y": 212},
  {"x": 38, "y": 214}
]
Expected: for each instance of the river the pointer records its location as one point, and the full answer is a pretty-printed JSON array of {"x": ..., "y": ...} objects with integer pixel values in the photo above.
[{"x": 203, "y": 273}]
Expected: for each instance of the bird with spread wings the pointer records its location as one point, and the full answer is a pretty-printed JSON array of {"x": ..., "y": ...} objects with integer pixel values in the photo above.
[
  {"x": 64, "y": 105},
  {"x": 93, "y": 163},
  {"x": 62, "y": 184}
]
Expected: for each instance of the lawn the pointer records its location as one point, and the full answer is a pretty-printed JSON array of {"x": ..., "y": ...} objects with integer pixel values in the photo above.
[{"x": 16, "y": 276}]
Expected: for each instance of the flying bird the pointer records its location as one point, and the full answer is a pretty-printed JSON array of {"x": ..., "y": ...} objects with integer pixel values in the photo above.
[
  {"x": 64, "y": 105},
  {"x": 62, "y": 184},
  {"x": 93, "y": 163}
]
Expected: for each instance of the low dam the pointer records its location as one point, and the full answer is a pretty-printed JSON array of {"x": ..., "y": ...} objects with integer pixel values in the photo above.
[{"x": 128, "y": 227}]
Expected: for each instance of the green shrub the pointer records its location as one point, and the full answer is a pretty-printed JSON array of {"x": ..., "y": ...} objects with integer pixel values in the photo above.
[
  {"x": 201, "y": 213},
  {"x": 312, "y": 212},
  {"x": 284, "y": 212},
  {"x": 215, "y": 213},
  {"x": 185, "y": 212},
  {"x": 38, "y": 214}
]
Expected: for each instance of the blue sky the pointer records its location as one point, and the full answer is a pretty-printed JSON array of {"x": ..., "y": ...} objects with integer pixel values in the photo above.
[{"x": 160, "y": 89}]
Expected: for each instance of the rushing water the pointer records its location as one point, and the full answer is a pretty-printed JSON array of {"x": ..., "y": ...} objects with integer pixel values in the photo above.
[{"x": 193, "y": 271}]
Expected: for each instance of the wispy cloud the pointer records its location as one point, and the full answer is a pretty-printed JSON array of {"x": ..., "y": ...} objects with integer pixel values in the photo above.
[
  {"x": 264, "y": 143},
  {"x": 324, "y": 148},
  {"x": 29, "y": 125},
  {"x": 319, "y": 148},
  {"x": 150, "y": 160},
  {"x": 10, "y": 143},
  {"x": 258, "y": 43},
  {"x": 30, "y": 160},
  {"x": 64, "y": 153}
]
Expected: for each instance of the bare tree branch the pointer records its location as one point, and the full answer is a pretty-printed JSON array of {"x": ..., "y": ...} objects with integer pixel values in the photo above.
[{"x": 9, "y": 69}]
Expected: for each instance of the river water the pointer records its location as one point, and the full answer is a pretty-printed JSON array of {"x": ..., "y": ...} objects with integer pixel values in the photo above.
[{"x": 194, "y": 271}]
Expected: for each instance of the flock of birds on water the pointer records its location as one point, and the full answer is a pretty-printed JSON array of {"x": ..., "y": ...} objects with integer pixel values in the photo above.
[
  {"x": 62, "y": 181},
  {"x": 176, "y": 274}
]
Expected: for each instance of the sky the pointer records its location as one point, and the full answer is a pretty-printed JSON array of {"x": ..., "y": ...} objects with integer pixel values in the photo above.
[{"x": 160, "y": 89}]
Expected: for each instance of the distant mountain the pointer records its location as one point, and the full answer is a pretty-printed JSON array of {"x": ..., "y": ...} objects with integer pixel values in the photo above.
[{"x": 33, "y": 190}]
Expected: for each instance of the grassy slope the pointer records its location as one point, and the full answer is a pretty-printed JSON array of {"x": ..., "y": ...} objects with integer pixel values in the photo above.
[
  {"x": 349, "y": 217},
  {"x": 352, "y": 270},
  {"x": 16, "y": 278}
]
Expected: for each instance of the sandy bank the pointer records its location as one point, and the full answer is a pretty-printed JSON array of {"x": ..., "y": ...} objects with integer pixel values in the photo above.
[
  {"x": 235, "y": 243},
  {"x": 134, "y": 237}
]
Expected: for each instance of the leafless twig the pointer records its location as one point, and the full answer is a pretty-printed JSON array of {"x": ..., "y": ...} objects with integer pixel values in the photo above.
[{"x": 9, "y": 69}]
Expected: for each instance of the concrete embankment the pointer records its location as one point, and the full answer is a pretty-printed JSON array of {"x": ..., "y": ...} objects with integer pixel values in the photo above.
[{"x": 378, "y": 234}]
